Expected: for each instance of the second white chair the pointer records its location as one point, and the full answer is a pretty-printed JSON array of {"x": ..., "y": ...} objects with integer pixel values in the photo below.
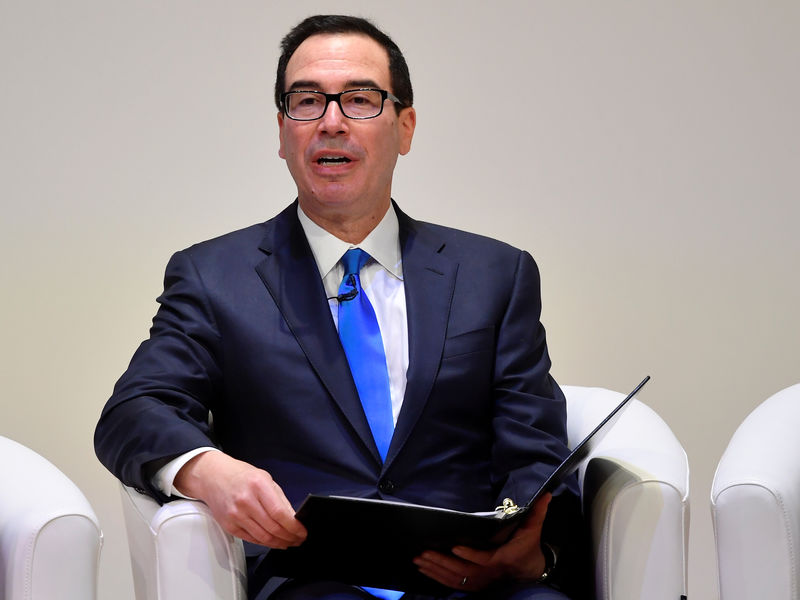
[
  {"x": 50, "y": 538},
  {"x": 755, "y": 504}
]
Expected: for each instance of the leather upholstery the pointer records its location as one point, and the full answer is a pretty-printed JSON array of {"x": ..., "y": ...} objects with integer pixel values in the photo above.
[
  {"x": 50, "y": 538},
  {"x": 635, "y": 489},
  {"x": 755, "y": 503}
]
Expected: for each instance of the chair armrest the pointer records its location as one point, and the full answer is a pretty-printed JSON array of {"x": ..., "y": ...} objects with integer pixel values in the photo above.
[
  {"x": 50, "y": 538},
  {"x": 179, "y": 551},
  {"x": 755, "y": 503},
  {"x": 635, "y": 492}
]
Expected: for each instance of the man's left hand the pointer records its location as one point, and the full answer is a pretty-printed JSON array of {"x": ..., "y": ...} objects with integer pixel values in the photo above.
[{"x": 520, "y": 558}]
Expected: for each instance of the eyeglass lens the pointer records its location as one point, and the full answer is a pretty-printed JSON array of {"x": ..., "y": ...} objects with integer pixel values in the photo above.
[{"x": 357, "y": 104}]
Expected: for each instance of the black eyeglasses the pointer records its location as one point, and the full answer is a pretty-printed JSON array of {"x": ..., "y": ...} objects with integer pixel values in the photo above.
[{"x": 310, "y": 105}]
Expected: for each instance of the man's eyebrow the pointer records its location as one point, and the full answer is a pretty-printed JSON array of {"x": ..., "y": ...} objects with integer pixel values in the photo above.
[
  {"x": 304, "y": 84},
  {"x": 361, "y": 83},
  {"x": 308, "y": 84}
]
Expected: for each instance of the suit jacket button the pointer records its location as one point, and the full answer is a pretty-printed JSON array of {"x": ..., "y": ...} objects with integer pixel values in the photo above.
[{"x": 386, "y": 486}]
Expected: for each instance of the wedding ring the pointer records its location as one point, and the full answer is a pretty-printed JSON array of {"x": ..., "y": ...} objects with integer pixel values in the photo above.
[{"x": 464, "y": 581}]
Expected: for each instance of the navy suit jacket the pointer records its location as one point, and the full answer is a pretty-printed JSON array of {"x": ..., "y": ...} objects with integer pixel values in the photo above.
[{"x": 244, "y": 331}]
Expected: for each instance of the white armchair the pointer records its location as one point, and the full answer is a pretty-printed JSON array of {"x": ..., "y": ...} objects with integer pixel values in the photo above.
[
  {"x": 50, "y": 538},
  {"x": 635, "y": 485},
  {"x": 179, "y": 551},
  {"x": 635, "y": 489},
  {"x": 755, "y": 504}
]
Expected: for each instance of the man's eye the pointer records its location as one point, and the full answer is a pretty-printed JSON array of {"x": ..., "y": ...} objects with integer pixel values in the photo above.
[
  {"x": 308, "y": 100},
  {"x": 361, "y": 100}
]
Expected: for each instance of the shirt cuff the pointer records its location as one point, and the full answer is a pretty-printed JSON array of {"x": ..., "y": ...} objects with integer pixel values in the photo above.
[{"x": 164, "y": 479}]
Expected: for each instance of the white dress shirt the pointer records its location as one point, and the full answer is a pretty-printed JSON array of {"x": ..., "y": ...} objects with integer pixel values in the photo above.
[{"x": 382, "y": 282}]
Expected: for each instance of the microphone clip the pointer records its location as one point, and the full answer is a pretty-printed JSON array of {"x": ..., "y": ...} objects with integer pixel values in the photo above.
[{"x": 351, "y": 281}]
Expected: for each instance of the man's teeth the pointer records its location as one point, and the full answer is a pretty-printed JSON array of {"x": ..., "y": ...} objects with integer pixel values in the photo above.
[{"x": 327, "y": 160}]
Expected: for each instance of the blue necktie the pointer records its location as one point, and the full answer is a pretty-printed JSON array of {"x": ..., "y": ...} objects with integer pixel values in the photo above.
[
  {"x": 363, "y": 345},
  {"x": 385, "y": 594}
]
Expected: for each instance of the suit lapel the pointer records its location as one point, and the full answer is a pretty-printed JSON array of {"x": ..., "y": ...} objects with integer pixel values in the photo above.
[
  {"x": 292, "y": 278},
  {"x": 429, "y": 279}
]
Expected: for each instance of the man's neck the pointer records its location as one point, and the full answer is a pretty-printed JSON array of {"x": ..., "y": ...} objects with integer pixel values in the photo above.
[{"x": 345, "y": 225}]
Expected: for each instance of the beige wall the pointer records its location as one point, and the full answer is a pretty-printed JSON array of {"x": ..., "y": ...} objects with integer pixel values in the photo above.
[{"x": 646, "y": 153}]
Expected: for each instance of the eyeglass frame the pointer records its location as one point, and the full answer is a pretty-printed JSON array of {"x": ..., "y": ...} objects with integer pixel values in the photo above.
[{"x": 385, "y": 95}]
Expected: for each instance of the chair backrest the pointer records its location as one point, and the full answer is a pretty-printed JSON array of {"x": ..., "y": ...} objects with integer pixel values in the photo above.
[
  {"x": 639, "y": 430},
  {"x": 50, "y": 538},
  {"x": 755, "y": 503}
]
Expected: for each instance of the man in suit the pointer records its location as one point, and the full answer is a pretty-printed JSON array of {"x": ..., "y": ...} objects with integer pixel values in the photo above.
[{"x": 457, "y": 410}]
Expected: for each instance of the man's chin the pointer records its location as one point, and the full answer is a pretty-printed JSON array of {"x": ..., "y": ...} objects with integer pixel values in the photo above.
[
  {"x": 342, "y": 205},
  {"x": 336, "y": 194},
  {"x": 329, "y": 203}
]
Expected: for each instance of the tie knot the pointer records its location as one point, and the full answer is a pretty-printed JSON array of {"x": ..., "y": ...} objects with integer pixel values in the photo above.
[{"x": 353, "y": 260}]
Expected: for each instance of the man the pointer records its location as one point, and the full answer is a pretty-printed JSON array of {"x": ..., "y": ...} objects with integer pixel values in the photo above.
[{"x": 415, "y": 370}]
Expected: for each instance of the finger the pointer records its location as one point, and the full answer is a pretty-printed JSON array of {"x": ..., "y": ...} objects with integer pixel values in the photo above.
[
  {"x": 267, "y": 528},
  {"x": 270, "y": 533},
  {"x": 540, "y": 506},
  {"x": 534, "y": 522},
  {"x": 444, "y": 561},
  {"x": 464, "y": 579},
  {"x": 253, "y": 526},
  {"x": 248, "y": 518},
  {"x": 480, "y": 557},
  {"x": 282, "y": 522},
  {"x": 262, "y": 538},
  {"x": 282, "y": 512},
  {"x": 275, "y": 515}
]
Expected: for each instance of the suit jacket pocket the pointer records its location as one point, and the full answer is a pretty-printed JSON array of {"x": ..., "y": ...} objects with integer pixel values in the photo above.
[{"x": 479, "y": 340}]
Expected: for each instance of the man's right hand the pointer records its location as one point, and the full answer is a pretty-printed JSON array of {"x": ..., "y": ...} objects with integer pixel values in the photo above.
[{"x": 244, "y": 500}]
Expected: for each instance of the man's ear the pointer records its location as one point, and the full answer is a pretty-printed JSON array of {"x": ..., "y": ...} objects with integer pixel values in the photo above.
[
  {"x": 407, "y": 122},
  {"x": 281, "y": 153}
]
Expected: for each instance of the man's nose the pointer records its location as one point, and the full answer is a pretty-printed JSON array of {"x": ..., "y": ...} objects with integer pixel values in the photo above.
[{"x": 333, "y": 122}]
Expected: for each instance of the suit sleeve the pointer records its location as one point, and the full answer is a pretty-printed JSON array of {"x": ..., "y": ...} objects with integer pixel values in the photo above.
[
  {"x": 530, "y": 419},
  {"x": 160, "y": 406},
  {"x": 530, "y": 423}
]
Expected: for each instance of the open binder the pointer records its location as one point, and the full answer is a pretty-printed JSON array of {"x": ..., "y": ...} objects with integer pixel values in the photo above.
[{"x": 372, "y": 542}]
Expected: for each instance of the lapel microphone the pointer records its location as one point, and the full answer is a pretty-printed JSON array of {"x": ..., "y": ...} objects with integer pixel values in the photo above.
[{"x": 348, "y": 295}]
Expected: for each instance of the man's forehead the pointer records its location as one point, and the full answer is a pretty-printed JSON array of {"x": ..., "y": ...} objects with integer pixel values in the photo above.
[{"x": 352, "y": 56}]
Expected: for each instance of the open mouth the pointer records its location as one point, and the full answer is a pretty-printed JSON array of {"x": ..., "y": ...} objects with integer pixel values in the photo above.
[{"x": 332, "y": 160}]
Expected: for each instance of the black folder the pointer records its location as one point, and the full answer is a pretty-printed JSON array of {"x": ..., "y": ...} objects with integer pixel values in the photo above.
[{"x": 373, "y": 542}]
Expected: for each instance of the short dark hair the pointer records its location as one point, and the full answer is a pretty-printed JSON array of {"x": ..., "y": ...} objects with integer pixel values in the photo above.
[{"x": 322, "y": 24}]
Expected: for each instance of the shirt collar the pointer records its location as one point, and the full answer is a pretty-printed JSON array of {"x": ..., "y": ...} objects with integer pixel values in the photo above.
[{"x": 382, "y": 244}]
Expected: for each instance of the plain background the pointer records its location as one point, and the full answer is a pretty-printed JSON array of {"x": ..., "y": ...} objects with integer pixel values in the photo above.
[{"x": 646, "y": 153}]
